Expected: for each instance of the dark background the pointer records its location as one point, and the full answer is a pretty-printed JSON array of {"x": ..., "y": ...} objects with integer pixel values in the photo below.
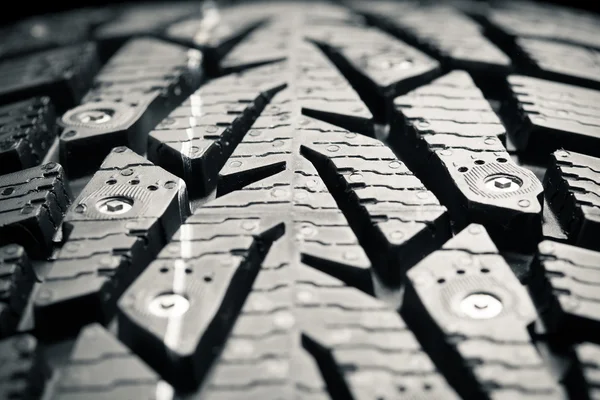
[{"x": 16, "y": 10}]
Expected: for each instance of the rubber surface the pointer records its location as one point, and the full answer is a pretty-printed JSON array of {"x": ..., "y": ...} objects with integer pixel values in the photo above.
[{"x": 290, "y": 200}]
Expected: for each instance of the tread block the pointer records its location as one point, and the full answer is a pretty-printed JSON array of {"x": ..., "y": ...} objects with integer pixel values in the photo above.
[
  {"x": 441, "y": 31},
  {"x": 266, "y": 148},
  {"x": 136, "y": 89},
  {"x": 140, "y": 20},
  {"x": 362, "y": 348},
  {"x": 16, "y": 283},
  {"x": 582, "y": 379},
  {"x": 116, "y": 226},
  {"x": 262, "y": 356},
  {"x": 565, "y": 289},
  {"x": 308, "y": 382},
  {"x": 195, "y": 141},
  {"x": 50, "y": 31},
  {"x": 267, "y": 196},
  {"x": 547, "y": 116},
  {"x": 454, "y": 146},
  {"x": 63, "y": 74},
  {"x": 180, "y": 310},
  {"x": 378, "y": 66},
  {"x": 267, "y": 41},
  {"x": 324, "y": 238},
  {"x": 102, "y": 368},
  {"x": 327, "y": 243},
  {"x": 572, "y": 185},
  {"x": 27, "y": 130},
  {"x": 33, "y": 203},
  {"x": 472, "y": 316},
  {"x": 217, "y": 32},
  {"x": 269, "y": 142},
  {"x": 325, "y": 94},
  {"x": 530, "y": 20},
  {"x": 562, "y": 62},
  {"x": 24, "y": 371},
  {"x": 396, "y": 219}
]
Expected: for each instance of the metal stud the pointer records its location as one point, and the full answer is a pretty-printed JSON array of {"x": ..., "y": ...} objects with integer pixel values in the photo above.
[
  {"x": 114, "y": 205},
  {"x": 168, "y": 305},
  {"x": 481, "y": 306},
  {"x": 503, "y": 183}
]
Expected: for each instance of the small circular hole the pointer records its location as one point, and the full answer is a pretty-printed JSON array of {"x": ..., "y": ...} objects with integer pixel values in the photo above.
[
  {"x": 401, "y": 389},
  {"x": 441, "y": 280},
  {"x": 111, "y": 181},
  {"x": 479, "y": 162},
  {"x": 427, "y": 386},
  {"x": 207, "y": 279},
  {"x": 188, "y": 271},
  {"x": 134, "y": 182},
  {"x": 485, "y": 270},
  {"x": 164, "y": 270},
  {"x": 463, "y": 169},
  {"x": 152, "y": 188},
  {"x": 501, "y": 160},
  {"x": 460, "y": 271},
  {"x": 8, "y": 191}
]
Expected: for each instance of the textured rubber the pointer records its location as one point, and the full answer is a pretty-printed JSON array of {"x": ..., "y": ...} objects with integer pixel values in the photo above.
[
  {"x": 300, "y": 200},
  {"x": 27, "y": 130}
]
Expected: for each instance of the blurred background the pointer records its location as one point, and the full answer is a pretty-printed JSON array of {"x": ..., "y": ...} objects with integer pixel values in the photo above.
[{"x": 14, "y": 10}]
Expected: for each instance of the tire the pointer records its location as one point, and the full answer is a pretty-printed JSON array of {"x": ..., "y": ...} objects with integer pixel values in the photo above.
[{"x": 284, "y": 200}]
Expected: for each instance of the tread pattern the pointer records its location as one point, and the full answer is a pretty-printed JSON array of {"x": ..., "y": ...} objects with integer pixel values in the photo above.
[
  {"x": 484, "y": 349},
  {"x": 565, "y": 290},
  {"x": 530, "y": 20},
  {"x": 27, "y": 130},
  {"x": 378, "y": 66},
  {"x": 24, "y": 370},
  {"x": 33, "y": 203},
  {"x": 331, "y": 153},
  {"x": 342, "y": 340},
  {"x": 140, "y": 20},
  {"x": 126, "y": 101},
  {"x": 394, "y": 235},
  {"x": 547, "y": 116},
  {"x": 562, "y": 62},
  {"x": 102, "y": 368},
  {"x": 441, "y": 31},
  {"x": 218, "y": 32},
  {"x": 105, "y": 246},
  {"x": 63, "y": 74},
  {"x": 50, "y": 31},
  {"x": 572, "y": 185},
  {"x": 16, "y": 283},
  {"x": 325, "y": 94},
  {"x": 583, "y": 381},
  {"x": 374, "y": 355},
  {"x": 259, "y": 47},
  {"x": 214, "y": 284},
  {"x": 197, "y": 138},
  {"x": 450, "y": 136},
  {"x": 265, "y": 332},
  {"x": 288, "y": 301}
]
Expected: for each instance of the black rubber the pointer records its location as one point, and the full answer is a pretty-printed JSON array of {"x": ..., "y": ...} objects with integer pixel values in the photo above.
[{"x": 309, "y": 200}]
